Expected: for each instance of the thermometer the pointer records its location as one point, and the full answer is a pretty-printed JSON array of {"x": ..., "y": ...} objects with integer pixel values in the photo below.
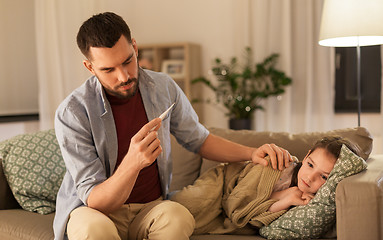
[{"x": 163, "y": 115}]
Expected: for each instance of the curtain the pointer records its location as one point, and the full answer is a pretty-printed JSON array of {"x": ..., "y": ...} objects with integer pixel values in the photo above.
[
  {"x": 291, "y": 28},
  {"x": 58, "y": 58}
]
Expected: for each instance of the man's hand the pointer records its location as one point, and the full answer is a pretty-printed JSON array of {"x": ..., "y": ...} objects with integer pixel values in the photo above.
[
  {"x": 279, "y": 157},
  {"x": 144, "y": 146},
  {"x": 144, "y": 149}
]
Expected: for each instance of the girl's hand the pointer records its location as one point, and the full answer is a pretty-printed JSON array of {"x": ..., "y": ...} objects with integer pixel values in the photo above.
[
  {"x": 294, "y": 197},
  {"x": 289, "y": 197},
  {"x": 307, "y": 197},
  {"x": 297, "y": 197}
]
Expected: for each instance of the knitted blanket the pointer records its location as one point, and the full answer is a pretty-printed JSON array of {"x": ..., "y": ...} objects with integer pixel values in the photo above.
[{"x": 231, "y": 198}]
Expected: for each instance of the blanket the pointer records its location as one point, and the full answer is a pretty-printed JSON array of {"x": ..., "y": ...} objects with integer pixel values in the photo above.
[{"x": 231, "y": 198}]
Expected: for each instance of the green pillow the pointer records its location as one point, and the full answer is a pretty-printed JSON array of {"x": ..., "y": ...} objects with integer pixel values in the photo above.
[
  {"x": 317, "y": 217},
  {"x": 34, "y": 169}
]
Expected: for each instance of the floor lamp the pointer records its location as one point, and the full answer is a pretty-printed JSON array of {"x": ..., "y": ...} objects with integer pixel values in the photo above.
[{"x": 352, "y": 23}]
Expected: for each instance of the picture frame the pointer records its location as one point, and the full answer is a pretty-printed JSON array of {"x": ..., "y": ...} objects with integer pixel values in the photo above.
[{"x": 175, "y": 68}]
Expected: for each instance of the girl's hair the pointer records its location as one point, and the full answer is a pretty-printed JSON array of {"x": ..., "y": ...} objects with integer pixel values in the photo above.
[{"x": 333, "y": 144}]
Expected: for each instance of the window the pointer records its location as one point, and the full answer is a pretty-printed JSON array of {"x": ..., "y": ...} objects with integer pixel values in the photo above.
[{"x": 346, "y": 79}]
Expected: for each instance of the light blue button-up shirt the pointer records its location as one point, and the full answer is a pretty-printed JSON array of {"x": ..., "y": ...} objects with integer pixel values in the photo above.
[{"x": 87, "y": 137}]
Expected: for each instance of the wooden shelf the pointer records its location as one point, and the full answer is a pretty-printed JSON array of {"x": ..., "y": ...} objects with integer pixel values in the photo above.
[{"x": 180, "y": 60}]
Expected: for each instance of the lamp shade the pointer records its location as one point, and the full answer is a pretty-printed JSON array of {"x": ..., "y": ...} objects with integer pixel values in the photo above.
[{"x": 349, "y": 23}]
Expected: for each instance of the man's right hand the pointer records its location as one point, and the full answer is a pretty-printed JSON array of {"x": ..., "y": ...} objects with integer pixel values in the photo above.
[
  {"x": 144, "y": 146},
  {"x": 144, "y": 149}
]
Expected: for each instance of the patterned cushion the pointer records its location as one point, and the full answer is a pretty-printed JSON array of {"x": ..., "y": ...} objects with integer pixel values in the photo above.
[
  {"x": 34, "y": 169},
  {"x": 318, "y": 216}
]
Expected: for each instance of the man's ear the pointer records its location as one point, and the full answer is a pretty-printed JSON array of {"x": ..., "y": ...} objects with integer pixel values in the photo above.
[
  {"x": 134, "y": 43},
  {"x": 88, "y": 65}
]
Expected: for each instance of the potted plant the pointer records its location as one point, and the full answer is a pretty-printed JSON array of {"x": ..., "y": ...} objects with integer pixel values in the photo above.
[{"x": 240, "y": 88}]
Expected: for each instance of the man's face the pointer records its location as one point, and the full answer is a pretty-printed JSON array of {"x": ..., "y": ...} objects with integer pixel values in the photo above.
[{"x": 116, "y": 68}]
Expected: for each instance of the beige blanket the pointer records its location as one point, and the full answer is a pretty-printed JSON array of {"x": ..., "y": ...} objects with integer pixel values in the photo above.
[{"x": 231, "y": 198}]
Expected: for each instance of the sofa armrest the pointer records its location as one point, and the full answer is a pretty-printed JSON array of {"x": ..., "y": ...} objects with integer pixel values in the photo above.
[{"x": 359, "y": 203}]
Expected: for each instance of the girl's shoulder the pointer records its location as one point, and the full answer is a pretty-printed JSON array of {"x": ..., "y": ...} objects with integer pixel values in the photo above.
[{"x": 284, "y": 180}]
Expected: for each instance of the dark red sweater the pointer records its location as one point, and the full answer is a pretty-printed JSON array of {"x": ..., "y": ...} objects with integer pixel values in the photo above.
[{"x": 130, "y": 116}]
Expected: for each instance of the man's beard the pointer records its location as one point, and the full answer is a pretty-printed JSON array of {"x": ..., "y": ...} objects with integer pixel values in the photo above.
[
  {"x": 129, "y": 93},
  {"x": 123, "y": 94}
]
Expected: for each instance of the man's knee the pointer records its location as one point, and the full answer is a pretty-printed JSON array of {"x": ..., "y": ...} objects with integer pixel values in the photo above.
[
  {"x": 177, "y": 217},
  {"x": 88, "y": 223},
  {"x": 177, "y": 212}
]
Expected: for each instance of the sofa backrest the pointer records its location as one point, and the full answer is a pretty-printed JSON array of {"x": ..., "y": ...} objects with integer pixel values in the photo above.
[{"x": 188, "y": 166}]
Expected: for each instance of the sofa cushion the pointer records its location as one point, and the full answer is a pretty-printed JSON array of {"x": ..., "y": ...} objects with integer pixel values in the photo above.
[
  {"x": 17, "y": 224},
  {"x": 186, "y": 166},
  {"x": 34, "y": 170},
  {"x": 318, "y": 216}
]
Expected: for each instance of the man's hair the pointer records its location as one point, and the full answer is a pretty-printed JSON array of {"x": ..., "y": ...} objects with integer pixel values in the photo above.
[{"x": 102, "y": 30}]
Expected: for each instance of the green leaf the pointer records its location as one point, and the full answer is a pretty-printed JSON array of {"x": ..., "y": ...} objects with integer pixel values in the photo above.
[{"x": 243, "y": 84}]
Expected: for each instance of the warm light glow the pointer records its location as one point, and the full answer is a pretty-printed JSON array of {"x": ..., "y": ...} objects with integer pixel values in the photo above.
[
  {"x": 347, "y": 23},
  {"x": 352, "y": 41}
]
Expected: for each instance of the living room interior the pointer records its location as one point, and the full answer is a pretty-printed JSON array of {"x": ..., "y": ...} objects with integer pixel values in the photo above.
[{"x": 41, "y": 63}]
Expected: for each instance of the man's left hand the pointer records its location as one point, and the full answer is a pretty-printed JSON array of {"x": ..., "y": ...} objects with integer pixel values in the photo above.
[{"x": 279, "y": 157}]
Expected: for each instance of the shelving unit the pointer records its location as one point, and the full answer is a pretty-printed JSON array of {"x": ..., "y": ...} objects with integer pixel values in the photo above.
[{"x": 180, "y": 60}]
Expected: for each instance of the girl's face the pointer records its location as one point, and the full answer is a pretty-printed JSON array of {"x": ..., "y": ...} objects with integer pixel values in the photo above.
[{"x": 315, "y": 169}]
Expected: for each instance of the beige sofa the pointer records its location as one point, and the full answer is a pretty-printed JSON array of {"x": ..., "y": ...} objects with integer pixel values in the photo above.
[{"x": 359, "y": 198}]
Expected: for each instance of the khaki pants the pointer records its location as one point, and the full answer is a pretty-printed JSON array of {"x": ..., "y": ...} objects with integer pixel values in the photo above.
[{"x": 158, "y": 220}]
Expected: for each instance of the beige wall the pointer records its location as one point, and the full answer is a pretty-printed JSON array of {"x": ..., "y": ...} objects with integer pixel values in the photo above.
[
  {"x": 18, "y": 69},
  {"x": 212, "y": 24},
  {"x": 219, "y": 26}
]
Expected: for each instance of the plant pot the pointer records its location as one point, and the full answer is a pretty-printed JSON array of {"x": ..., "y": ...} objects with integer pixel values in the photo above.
[{"x": 238, "y": 124}]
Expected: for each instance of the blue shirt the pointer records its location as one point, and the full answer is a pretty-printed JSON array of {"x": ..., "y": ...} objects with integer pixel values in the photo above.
[{"x": 87, "y": 137}]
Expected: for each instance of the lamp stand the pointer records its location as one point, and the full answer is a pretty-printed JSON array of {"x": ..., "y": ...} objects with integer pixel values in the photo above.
[{"x": 358, "y": 79}]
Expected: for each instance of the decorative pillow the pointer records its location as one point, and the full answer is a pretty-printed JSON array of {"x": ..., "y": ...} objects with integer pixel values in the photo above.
[
  {"x": 319, "y": 215},
  {"x": 34, "y": 169}
]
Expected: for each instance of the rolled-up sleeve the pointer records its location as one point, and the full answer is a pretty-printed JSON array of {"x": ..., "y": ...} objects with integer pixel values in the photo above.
[
  {"x": 185, "y": 125},
  {"x": 78, "y": 150}
]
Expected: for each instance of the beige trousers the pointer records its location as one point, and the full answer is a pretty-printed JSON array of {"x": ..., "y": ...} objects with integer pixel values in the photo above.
[{"x": 157, "y": 220}]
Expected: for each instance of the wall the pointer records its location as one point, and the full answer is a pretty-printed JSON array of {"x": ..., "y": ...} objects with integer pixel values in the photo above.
[
  {"x": 219, "y": 26},
  {"x": 11, "y": 129},
  {"x": 18, "y": 68}
]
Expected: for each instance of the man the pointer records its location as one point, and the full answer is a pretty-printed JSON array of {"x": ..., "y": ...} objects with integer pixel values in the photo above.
[{"x": 116, "y": 150}]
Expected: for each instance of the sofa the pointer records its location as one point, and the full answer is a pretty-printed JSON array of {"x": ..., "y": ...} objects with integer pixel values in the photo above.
[{"x": 359, "y": 198}]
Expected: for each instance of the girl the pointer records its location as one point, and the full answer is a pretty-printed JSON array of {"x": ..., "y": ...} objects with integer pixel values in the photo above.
[{"x": 309, "y": 175}]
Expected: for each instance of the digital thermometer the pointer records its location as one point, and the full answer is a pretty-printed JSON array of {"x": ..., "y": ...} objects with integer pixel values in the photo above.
[{"x": 163, "y": 115}]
